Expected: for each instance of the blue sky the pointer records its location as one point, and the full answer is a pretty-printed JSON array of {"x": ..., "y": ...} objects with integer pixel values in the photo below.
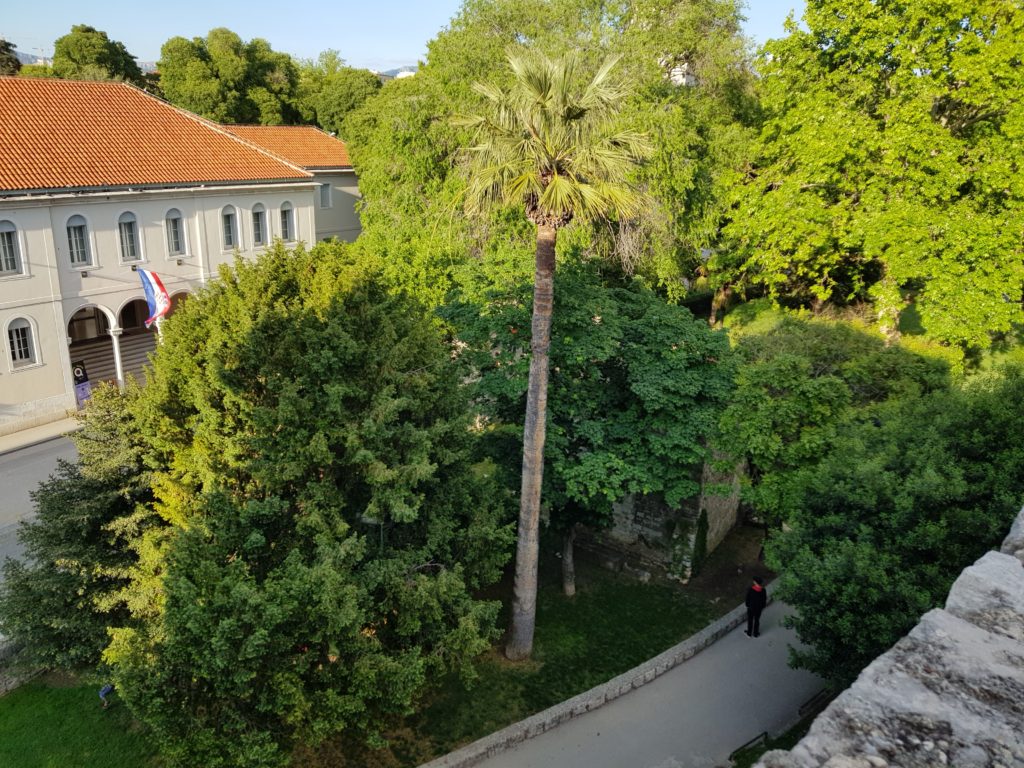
[{"x": 375, "y": 35}]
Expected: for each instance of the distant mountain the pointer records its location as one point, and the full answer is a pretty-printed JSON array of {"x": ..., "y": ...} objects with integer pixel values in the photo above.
[
  {"x": 411, "y": 70},
  {"x": 28, "y": 58}
]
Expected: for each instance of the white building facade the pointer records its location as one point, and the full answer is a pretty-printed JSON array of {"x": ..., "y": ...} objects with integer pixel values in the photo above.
[{"x": 70, "y": 297}]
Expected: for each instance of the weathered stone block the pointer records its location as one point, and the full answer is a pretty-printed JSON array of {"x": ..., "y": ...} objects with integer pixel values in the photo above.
[
  {"x": 990, "y": 594},
  {"x": 1013, "y": 545}
]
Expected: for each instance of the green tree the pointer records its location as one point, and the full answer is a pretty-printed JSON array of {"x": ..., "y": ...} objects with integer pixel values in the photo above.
[
  {"x": 797, "y": 382},
  {"x": 886, "y": 169},
  {"x": 36, "y": 70},
  {"x": 327, "y": 529},
  {"x": 9, "y": 62},
  {"x": 405, "y": 150},
  {"x": 225, "y": 79},
  {"x": 86, "y": 53},
  {"x": 553, "y": 148},
  {"x": 897, "y": 506},
  {"x": 637, "y": 387},
  {"x": 328, "y": 90},
  {"x": 79, "y": 547}
]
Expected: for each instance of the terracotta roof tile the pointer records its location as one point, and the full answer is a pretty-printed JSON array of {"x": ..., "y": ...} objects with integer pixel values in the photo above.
[
  {"x": 60, "y": 134},
  {"x": 303, "y": 145}
]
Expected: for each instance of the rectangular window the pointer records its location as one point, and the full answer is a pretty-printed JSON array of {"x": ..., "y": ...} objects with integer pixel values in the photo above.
[
  {"x": 21, "y": 345},
  {"x": 286, "y": 225},
  {"x": 77, "y": 245},
  {"x": 129, "y": 243},
  {"x": 325, "y": 195},
  {"x": 229, "y": 231},
  {"x": 174, "y": 239},
  {"x": 258, "y": 228},
  {"x": 8, "y": 254}
]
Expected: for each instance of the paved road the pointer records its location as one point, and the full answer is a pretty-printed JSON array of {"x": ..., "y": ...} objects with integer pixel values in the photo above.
[
  {"x": 21, "y": 471},
  {"x": 691, "y": 717}
]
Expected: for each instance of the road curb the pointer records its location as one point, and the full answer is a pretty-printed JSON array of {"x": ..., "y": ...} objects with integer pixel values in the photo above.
[
  {"x": 507, "y": 738},
  {"x": 37, "y": 441}
]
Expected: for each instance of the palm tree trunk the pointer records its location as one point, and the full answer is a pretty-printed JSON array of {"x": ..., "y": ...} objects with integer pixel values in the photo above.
[
  {"x": 524, "y": 603},
  {"x": 569, "y": 562}
]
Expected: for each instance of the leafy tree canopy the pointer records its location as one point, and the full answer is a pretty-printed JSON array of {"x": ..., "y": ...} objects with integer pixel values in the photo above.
[
  {"x": 797, "y": 382},
  {"x": 223, "y": 78},
  {"x": 88, "y": 54},
  {"x": 328, "y": 90},
  {"x": 636, "y": 388},
  {"x": 325, "y": 528},
  {"x": 897, "y": 506},
  {"x": 887, "y": 166},
  {"x": 9, "y": 62},
  {"x": 79, "y": 547},
  {"x": 405, "y": 148}
]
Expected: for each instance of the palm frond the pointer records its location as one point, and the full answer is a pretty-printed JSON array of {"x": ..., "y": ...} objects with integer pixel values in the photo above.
[{"x": 551, "y": 145}]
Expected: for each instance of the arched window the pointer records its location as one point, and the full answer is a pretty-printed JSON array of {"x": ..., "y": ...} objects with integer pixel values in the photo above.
[
  {"x": 259, "y": 225},
  {"x": 20, "y": 343},
  {"x": 230, "y": 225},
  {"x": 129, "y": 236},
  {"x": 175, "y": 232},
  {"x": 10, "y": 256},
  {"x": 78, "y": 242},
  {"x": 287, "y": 222}
]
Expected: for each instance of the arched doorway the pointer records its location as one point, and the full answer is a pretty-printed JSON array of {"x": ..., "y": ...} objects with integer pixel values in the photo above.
[
  {"x": 176, "y": 300},
  {"x": 90, "y": 344}
]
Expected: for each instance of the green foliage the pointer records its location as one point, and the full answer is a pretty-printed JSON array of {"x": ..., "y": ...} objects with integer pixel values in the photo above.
[
  {"x": 635, "y": 390},
  {"x": 797, "y": 382},
  {"x": 225, "y": 79},
  {"x": 407, "y": 152},
  {"x": 326, "y": 531},
  {"x": 887, "y": 166},
  {"x": 328, "y": 90},
  {"x": 553, "y": 147},
  {"x": 36, "y": 70},
  {"x": 58, "y": 604},
  {"x": 9, "y": 62},
  {"x": 896, "y": 507},
  {"x": 88, "y": 54}
]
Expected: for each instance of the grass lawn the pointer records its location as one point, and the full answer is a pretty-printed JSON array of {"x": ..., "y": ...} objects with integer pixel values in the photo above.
[
  {"x": 50, "y": 724},
  {"x": 612, "y": 624}
]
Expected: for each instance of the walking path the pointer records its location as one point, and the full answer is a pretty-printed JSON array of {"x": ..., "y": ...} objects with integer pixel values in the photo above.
[{"x": 693, "y": 716}]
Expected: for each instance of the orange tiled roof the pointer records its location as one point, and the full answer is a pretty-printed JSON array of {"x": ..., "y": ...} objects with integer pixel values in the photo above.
[
  {"x": 60, "y": 134},
  {"x": 303, "y": 145}
]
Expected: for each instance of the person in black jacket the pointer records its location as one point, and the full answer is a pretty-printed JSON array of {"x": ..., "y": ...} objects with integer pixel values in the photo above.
[{"x": 757, "y": 599}]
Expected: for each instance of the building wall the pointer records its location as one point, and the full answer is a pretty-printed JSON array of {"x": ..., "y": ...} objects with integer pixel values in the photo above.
[
  {"x": 340, "y": 220},
  {"x": 51, "y": 289}
]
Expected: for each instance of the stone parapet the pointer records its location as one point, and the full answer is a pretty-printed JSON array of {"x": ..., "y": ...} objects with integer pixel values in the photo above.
[{"x": 950, "y": 693}]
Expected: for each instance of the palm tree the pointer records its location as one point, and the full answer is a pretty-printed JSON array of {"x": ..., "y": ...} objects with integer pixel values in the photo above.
[{"x": 553, "y": 147}]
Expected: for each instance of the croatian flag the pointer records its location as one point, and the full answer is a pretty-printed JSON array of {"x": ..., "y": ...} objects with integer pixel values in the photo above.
[{"x": 156, "y": 296}]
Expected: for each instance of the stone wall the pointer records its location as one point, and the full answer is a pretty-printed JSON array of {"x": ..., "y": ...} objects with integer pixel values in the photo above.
[
  {"x": 951, "y": 693},
  {"x": 671, "y": 533},
  {"x": 720, "y": 499}
]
